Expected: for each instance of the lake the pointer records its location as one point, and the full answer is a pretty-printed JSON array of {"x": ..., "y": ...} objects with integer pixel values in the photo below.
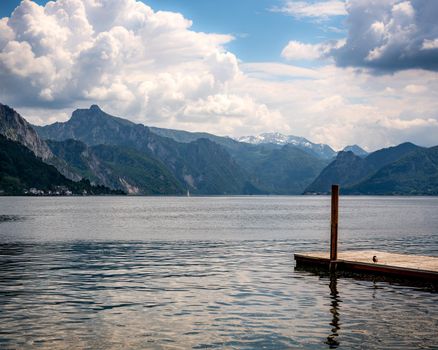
[{"x": 207, "y": 272}]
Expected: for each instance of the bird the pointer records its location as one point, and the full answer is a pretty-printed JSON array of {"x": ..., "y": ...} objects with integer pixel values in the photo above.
[{"x": 375, "y": 259}]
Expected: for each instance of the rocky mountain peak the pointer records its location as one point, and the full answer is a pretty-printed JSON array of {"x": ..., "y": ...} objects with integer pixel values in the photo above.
[
  {"x": 344, "y": 155},
  {"x": 357, "y": 150},
  {"x": 16, "y": 128},
  {"x": 321, "y": 150},
  {"x": 95, "y": 108}
]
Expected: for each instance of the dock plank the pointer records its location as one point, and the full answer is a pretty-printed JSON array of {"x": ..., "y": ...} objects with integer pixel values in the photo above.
[{"x": 361, "y": 260}]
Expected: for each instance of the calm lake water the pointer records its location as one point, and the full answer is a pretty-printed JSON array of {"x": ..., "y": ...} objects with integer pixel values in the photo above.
[{"x": 207, "y": 272}]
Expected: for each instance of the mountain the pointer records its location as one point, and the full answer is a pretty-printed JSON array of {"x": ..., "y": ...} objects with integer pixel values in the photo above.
[
  {"x": 117, "y": 167},
  {"x": 201, "y": 165},
  {"x": 276, "y": 138},
  {"x": 344, "y": 170},
  {"x": 16, "y": 128},
  {"x": 206, "y": 160},
  {"x": 349, "y": 169},
  {"x": 22, "y": 172},
  {"x": 187, "y": 137},
  {"x": 288, "y": 170},
  {"x": 271, "y": 168},
  {"x": 357, "y": 150},
  {"x": 94, "y": 127},
  {"x": 120, "y": 154},
  {"x": 201, "y": 162},
  {"x": 385, "y": 156},
  {"x": 416, "y": 173},
  {"x": 319, "y": 150}
]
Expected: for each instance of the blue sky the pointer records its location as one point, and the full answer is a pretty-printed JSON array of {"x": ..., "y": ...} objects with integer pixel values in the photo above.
[
  {"x": 260, "y": 33},
  {"x": 334, "y": 71}
]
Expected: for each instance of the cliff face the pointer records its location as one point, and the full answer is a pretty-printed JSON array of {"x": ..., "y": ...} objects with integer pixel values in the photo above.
[
  {"x": 15, "y": 128},
  {"x": 414, "y": 174},
  {"x": 202, "y": 166},
  {"x": 116, "y": 167},
  {"x": 21, "y": 173},
  {"x": 346, "y": 169},
  {"x": 349, "y": 171}
]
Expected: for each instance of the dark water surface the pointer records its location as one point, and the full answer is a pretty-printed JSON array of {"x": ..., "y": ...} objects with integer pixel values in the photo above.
[{"x": 177, "y": 273}]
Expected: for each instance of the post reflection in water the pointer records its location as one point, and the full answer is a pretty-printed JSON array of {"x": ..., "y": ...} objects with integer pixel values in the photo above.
[
  {"x": 115, "y": 273},
  {"x": 332, "y": 339}
]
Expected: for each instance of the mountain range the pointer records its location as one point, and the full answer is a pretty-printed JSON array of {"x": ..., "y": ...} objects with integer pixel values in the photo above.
[
  {"x": 403, "y": 169},
  {"x": 414, "y": 174},
  {"x": 22, "y": 172},
  {"x": 28, "y": 166},
  {"x": 199, "y": 162},
  {"x": 115, "y": 153},
  {"x": 321, "y": 150},
  {"x": 200, "y": 166}
]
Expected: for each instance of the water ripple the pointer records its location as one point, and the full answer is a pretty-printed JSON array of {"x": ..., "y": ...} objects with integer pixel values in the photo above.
[{"x": 59, "y": 291}]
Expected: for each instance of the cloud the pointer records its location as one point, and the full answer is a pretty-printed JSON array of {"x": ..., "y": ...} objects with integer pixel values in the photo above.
[
  {"x": 275, "y": 71},
  {"x": 235, "y": 113},
  {"x": 429, "y": 44},
  {"x": 152, "y": 67},
  {"x": 343, "y": 106},
  {"x": 296, "y": 50},
  {"x": 312, "y": 9},
  {"x": 415, "y": 89},
  {"x": 390, "y": 35},
  {"x": 147, "y": 65}
]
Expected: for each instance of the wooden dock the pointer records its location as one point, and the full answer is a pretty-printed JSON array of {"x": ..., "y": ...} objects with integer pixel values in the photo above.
[{"x": 388, "y": 264}]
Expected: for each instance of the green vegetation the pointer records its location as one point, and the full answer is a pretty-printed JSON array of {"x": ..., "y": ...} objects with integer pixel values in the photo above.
[
  {"x": 287, "y": 170},
  {"x": 414, "y": 174},
  {"x": 165, "y": 165},
  {"x": 346, "y": 169},
  {"x": 349, "y": 169},
  {"x": 161, "y": 161},
  {"x": 117, "y": 167},
  {"x": 124, "y": 155},
  {"x": 21, "y": 172}
]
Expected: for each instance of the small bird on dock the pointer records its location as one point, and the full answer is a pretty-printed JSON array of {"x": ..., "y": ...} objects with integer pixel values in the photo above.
[{"x": 375, "y": 259}]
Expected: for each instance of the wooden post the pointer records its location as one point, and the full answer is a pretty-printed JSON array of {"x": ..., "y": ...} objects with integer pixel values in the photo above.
[{"x": 334, "y": 224}]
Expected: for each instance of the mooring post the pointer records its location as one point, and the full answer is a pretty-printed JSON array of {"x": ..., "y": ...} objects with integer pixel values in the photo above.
[{"x": 334, "y": 227}]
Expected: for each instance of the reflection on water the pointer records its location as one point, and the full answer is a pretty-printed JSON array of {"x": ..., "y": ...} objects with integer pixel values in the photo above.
[
  {"x": 332, "y": 339},
  {"x": 197, "y": 294},
  {"x": 6, "y": 218},
  {"x": 60, "y": 287}
]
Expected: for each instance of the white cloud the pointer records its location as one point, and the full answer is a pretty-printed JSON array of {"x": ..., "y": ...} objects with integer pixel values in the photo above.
[
  {"x": 390, "y": 35},
  {"x": 236, "y": 114},
  {"x": 343, "y": 106},
  {"x": 328, "y": 104},
  {"x": 296, "y": 50},
  {"x": 151, "y": 67},
  {"x": 429, "y": 44},
  {"x": 137, "y": 62},
  {"x": 404, "y": 9},
  {"x": 274, "y": 70},
  {"x": 415, "y": 89},
  {"x": 308, "y": 9},
  {"x": 400, "y": 124}
]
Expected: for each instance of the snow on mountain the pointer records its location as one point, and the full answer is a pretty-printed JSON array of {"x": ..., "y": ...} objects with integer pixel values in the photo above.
[
  {"x": 357, "y": 150},
  {"x": 319, "y": 149}
]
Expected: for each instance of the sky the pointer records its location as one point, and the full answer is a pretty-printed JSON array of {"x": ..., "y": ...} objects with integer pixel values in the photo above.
[{"x": 338, "y": 72}]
